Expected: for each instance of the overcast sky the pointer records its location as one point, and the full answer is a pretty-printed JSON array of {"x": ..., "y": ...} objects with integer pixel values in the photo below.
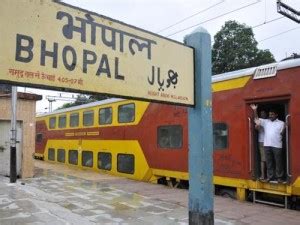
[{"x": 279, "y": 35}]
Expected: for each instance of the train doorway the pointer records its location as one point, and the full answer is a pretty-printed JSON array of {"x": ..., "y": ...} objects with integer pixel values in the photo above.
[{"x": 258, "y": 165}]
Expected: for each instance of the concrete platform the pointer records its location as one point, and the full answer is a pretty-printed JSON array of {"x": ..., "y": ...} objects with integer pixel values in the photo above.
[{"x": 61, "y": 195}]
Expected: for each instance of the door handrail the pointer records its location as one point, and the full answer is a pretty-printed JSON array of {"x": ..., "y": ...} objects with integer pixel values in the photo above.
[
  {"x": 250, "y": 145},
  {"x": 287, "y": 145}
]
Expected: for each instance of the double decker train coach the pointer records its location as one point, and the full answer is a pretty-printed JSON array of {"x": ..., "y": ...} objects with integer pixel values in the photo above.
[{"x": 149, "y": 141}]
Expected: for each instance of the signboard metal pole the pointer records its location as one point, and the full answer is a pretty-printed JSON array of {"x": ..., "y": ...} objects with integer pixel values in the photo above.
[
  {"x": 200, "y": 133},
  {"x": 13, "y": 152}
]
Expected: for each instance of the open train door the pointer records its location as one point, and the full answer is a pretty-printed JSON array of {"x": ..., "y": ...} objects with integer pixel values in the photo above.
[{"x": 281, "y": 105}]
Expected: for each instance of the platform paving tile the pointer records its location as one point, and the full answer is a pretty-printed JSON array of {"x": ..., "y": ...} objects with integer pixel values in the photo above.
[{"x": 58, "y": 196}]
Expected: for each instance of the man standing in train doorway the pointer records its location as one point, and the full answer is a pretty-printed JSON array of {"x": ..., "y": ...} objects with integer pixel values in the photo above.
[
  {"x": 274, "y": 129},
  {"x": 261, "y": 137}
]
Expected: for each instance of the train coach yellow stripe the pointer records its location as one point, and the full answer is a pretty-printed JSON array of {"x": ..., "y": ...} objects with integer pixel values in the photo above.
[{"x": 230, "y": 84}]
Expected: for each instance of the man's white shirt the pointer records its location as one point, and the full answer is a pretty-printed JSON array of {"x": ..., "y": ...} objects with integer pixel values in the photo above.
[{"x": 273, "y": 132}]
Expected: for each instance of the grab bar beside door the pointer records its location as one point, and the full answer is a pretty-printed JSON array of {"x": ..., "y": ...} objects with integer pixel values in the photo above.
[
  {"x": 287, "y": 145},
  {"x": 250, "y": 145}
]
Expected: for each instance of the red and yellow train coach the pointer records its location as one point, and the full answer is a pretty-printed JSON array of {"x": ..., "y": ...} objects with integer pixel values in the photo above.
[{"x": 149, "y": 141}]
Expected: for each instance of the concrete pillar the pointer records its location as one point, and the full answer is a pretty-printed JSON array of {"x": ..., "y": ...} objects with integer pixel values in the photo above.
[{"x": 201, "y": 189}]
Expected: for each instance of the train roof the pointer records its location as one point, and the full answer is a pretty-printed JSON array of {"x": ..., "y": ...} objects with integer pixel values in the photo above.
[
  {"x": 92, "y": 104},
  {"x": 251, "y": 71}
]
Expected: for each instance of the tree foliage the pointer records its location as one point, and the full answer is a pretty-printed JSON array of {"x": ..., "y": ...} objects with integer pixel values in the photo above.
[
  {"x": 235, "y": 48},
  {"x": 83, "y": 99}
]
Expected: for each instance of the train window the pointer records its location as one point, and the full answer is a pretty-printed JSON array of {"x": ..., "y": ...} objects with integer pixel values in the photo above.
[
  {"x": 51, "y": 154},
  {"x": 88, "y": 118},
  {"x": 169, "y": 136},
  {"x": 74, "y": 120},
  {"x": 125, "y": 163},
  {"x": 87, "y": 158},
  {"x": 220, "y": 135},
  {"x": 126, "y": 113},
  {"x": 105, "y": 116},
  {"x": 39, "y": 137},
  {"x": 73, "y": 157},
  {"x": 104, "y": 160},
  {"x": 62, "y": 121},
  {"x": 52, "y": 122},
  {"x": 61, "y": 155}
]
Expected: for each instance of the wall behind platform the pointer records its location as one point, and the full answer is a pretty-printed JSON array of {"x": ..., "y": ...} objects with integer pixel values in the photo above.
[{"x": 26, "y": 114}]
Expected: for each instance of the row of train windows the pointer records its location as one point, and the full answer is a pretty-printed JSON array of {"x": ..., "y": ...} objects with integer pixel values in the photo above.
[
  {"x": 171, "y": 137},
  {"x": 125, "y": 162},
  {"x": 126, "y": 114},
  {"x": 167, "y": 136}
]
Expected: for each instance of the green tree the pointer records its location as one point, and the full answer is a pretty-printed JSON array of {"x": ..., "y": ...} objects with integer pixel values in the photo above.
[
  {"x": 235, "y": 48},
  {"x": 83, "y": 99},
  {"x": 80, "y": 100}
]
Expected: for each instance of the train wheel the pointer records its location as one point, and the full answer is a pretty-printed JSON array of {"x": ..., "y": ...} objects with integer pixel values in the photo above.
[
  {"x": 227, "y": 193},
  {"x": 172, "y": 182}
]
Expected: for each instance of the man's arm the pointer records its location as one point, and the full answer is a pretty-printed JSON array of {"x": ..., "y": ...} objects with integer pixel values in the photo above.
[
  {"x": 283, "y": 129},
  {"x": 254, "y": 108},
  {"x": 257, "y": 126},
  {"x": 256, "y": 119}
]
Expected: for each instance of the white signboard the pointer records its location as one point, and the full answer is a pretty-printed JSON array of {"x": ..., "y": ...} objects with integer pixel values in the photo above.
[{"x": 48, "y": 44}]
